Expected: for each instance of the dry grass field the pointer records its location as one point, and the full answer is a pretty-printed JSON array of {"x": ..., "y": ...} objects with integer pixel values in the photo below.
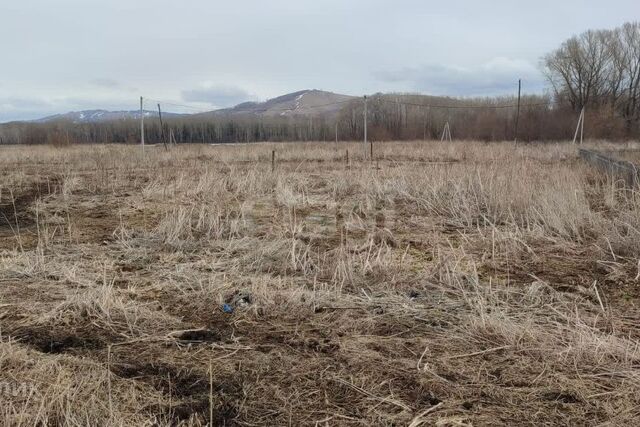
[{"x": 448, "y": 284}]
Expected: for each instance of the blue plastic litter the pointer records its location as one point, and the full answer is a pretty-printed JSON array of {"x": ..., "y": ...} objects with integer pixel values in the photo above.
[{"x": 227, "y": 308}]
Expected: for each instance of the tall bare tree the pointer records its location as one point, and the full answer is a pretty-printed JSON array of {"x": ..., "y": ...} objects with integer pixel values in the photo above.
[
  {"x": 581, "y": 69},
  {"x": 627, "y": 59}
]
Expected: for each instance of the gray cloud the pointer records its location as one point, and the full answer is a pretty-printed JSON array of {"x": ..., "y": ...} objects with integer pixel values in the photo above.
[
  {"x": 29, "y": 108},
  {"x": 495, "y": 77},
  {"x": 18, "y": 108},
  {"x": 77, "y": 58},
  {"x": 24, "y": 103},
  {"x": 105, "y": 83},
  {"x": 219, "y": 95}
]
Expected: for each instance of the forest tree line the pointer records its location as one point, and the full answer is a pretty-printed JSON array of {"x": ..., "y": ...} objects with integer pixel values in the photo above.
[{"x": 598, "y": 70}]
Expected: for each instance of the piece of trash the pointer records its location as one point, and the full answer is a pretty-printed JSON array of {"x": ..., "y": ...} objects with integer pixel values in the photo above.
[
  {"x": 239, "y": 299},
  {"x": 227, "y": 308},
  {"x": 242, "y": 300}
]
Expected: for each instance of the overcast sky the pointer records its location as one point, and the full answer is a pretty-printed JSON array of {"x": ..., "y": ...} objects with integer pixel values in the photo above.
[{"x": 65, "y": 55}]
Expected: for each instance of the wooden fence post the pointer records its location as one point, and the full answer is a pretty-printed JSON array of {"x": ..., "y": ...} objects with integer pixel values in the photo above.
[{"x": 273, "y": 161}]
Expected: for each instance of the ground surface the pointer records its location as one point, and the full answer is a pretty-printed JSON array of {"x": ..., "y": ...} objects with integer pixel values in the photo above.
[{"x": 443, "y": 284}]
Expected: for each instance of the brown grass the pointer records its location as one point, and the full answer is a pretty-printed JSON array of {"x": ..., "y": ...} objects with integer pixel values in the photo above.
[{"x": 442, "y": 284}]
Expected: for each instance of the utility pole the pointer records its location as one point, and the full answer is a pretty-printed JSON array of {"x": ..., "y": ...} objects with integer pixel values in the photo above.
[
  {"x": 142, "y": 122},
  {"x": 365, "y": 126},
  {"x": 518, "y": 110},
  {"x": 424, "y": 129},
  {"x": 579, "y": 127},
  {"x": 164, "y": 141},
  {"x": 446, "y": 132},
  {"x": 582, "y": 127},
  {"x": 273, "y": 161}
]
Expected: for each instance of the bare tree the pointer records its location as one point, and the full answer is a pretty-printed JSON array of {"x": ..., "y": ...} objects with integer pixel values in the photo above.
[
  {"x": 581, "y": 70},
  {"x": 627, "y": 59}
]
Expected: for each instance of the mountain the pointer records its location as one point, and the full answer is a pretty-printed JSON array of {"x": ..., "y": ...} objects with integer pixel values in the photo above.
[
  {"x": 305, "y": 102},
  {"x": 95, "y": 116}
]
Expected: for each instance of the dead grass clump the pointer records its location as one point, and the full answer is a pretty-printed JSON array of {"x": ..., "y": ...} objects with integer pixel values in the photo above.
[
  {"x": 200, "y": 223},
  {"x": 109, "y": 310},
  {"x": 55, "y": 390}
]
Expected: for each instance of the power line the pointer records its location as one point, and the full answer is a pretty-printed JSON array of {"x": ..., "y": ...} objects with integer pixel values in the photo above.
[
  {"x": 381, "y": 99},
  {"x": 309, "y": 107},
  {"x": 201, "y": 110},
  {"x": 443, "y": 106},
  {"x": 174, "y": 104},
  {"x": 460, "y": 107}
]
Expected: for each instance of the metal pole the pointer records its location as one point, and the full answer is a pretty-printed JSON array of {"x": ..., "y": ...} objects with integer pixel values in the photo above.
[
  {"x": 582, "y": 126},
  {"x": 579, "y": 127},
  {"x": 518, "y": 111},
  {"x": 371, "y": 150},
  {"x": 273, "y": 160},
  {"x": 424, "y": 129},
  {"x": 164, "y": 141},
  {"x": 142, "y": 122},
  {"x": 365, "y": 126}
]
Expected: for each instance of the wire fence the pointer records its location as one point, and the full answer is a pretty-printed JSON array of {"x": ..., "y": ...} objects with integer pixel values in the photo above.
[
  {"x": 454, "y": 105},
  {"x": 625, "y": 171},
  {"x": 302, "y": 109}
]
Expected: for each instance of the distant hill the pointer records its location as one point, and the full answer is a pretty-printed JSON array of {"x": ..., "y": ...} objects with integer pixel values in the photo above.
[
  {"x": 95, "y": 116},
  {"x": 305, "y": 102}
]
